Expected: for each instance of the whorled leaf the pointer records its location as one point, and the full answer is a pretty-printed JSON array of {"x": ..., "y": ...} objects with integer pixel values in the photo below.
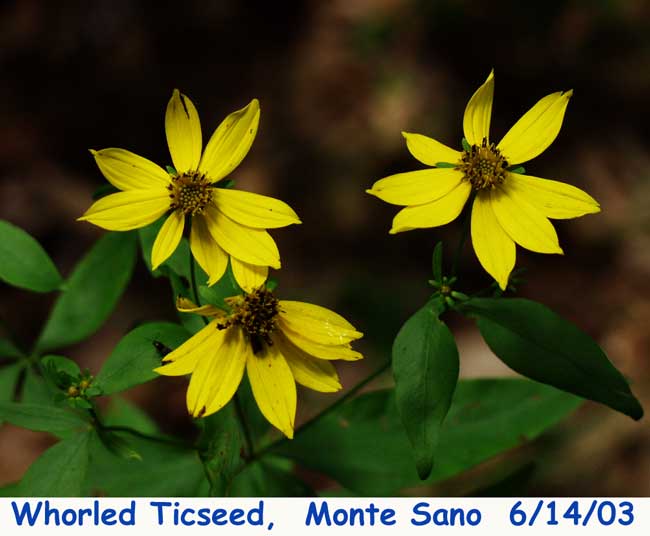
[
  {"x": 137, "y": 354},
  {"x": 23, "y": 261},
  {"x": 363, "y": 446},
  {"x": 536, "y": 342},
  {"x": 91, "y": 292},
  {"x": 425, "y": 366}
]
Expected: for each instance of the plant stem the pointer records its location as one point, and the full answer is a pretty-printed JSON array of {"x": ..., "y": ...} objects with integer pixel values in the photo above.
[
  {"x": 195, "y": 289},
  {"x": 142, "y": 435},
  {"x": 353, "y": 391},
  {"x": 244, "y": 425}
]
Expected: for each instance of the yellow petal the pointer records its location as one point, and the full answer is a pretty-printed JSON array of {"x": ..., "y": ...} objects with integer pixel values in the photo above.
[
  {"x": 523, "y": 222},
  {"x": 254, "y": 210},
  {"x": 435, "y": 213},
  {"x": 128, "y": 171},
  {"x": 185, "y": 305},
  {"x": 494, "y": 248},
  {"x": 430, "y": 151},
  {"x": 205, "y": 376},
  {"x": 321, "y": 351},
  {"x": 317, "y": 323},
  {"x": 536, "y": 129},
  {"x": 228, "y": 370},
  {"x": 206, "y": 251},
  {"x": 273, "y": 387},
  {"x": 248, "y": 276},
  {"x": 416, "y": 187},
  {"x": 183, "y": 130},
  {"x": 184, "y": 359},
  {"x": 128, "y": 210},
  {"x": 553, "y": 198},
  {"x": 169, "y": 236},
  {"x": 254, "y": 246},
  {"x": 316, "y": 374},
  {"x": 476, "y": 120},
  {"x": 230, "y": 142}
]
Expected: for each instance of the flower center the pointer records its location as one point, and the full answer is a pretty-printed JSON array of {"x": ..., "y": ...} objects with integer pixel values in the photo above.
[
  {"x": 484, "y": 166},
  {"x": 255, "y": 313},
  {"x": 189, "y": 193}
]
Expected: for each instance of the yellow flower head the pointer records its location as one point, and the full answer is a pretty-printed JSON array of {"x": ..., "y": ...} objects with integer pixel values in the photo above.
[
  {"x": 508, "y": 207},
  {"x": 278, "y": 342},
  {"x": 224, "y": 222}
]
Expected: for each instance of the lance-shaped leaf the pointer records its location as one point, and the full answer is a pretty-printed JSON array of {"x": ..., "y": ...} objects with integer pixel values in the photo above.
[
  {"x": 91, "y": 292},
  {"x": 137, "y": 354},
  {"x": 61, "y": 422},
  {"x": 362, "y": 444},
  {"x": 24, "y": 263},
  {"x": 534, "y": 341},
  {"x": 60, "y": 471},
  {"x": 425, "y": 366}
]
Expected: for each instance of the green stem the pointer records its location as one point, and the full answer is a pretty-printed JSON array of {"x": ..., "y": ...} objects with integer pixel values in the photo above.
[
  {"x": 244, "y": 425},
  {"x": 311, "y": 422},
  {"x": 148, "y": 437},
  {"x": 195, "y": 288}
]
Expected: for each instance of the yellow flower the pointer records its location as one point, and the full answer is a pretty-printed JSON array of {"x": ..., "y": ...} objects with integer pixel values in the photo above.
[
  {"x": 278, "y": 342},
  {"x": 508, "y": 207},
  {"x": 224, "y": 222}
]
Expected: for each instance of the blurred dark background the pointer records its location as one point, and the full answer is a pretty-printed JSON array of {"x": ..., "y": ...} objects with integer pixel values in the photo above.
[{"x": 338, "y": 81}]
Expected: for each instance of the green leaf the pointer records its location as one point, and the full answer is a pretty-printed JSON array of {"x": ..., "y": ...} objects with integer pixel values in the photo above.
[
  {"x": 171, "y": 170},
  {"x": 224, "y": 288},
  {"x": 363, "y": 446},
  {"x": 425, "y": 366},
  {"x": 92, "y": 291},
  {"x": 36, "y": 390},
  {"x": 121, "y": 412},
  {"x": 220, "y": 447},
  {"x": 24, "y": 263},
  {"x": 519, "y": 169},
  {"x": 60, "y": 471},
  {"x": 58, "y": 421},
  {"x": 445, "y": 165},
  {"x": 465, "y": 144},
  {"x": 10, "y": 490},
  {"x": 437, "y": 262},
  {"x": 534, "y": 341},
  {"x": 61, "y": 363},
  {"x": 161, "y": 470},
  {"x": 271, "y": 477},
  {"x": 9, "y": 349},
  {"x": 164, "y": 470},
  {"x": 137, "y": 354},
  {"x": 9, "y": 375}
]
